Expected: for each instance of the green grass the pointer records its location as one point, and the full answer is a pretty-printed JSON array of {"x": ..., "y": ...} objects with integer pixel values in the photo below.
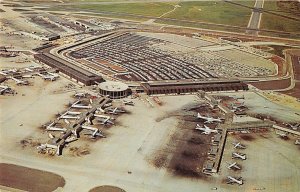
[
  {"x": 273, "y": 22},
  {"x": 145, "y": 9},
  {"x": 214, "y": 12},
  {"x": 218, "y": 12}
]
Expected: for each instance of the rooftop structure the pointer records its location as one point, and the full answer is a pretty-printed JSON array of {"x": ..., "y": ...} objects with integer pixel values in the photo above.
[
  {"x": 73, "y": 71},
  {"x": 189, "y": 86},
  {"x": 114, "y": 89}
]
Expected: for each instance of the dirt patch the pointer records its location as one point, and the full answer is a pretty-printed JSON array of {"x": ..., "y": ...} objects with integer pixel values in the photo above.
[
  {"x": 27, "y": 179},
  {"x": 30, "y": 142},
  {"x": 107, "y": 188},
  {"x": 160, "y": 161},
  {"x": 247, "y": 137},
  {"x": 196, "y": 141},
  {"x": 80, "y": 151},
  {"x": 185, "y": 152}
]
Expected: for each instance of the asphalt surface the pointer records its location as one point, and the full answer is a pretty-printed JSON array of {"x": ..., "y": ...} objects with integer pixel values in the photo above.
[{"x": 254, "y": 22}]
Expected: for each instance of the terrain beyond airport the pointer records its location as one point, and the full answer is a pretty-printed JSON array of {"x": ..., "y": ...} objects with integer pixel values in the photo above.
[{"x": 152, "y": 96}]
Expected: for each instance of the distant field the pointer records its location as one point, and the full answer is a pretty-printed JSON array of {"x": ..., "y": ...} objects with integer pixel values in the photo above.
[
  {"x": 206, "y": 11},
  {"x": 218, "y": 12},
  {"x": 145, "y": 9},
  {"x": 280, "y": 23},
  {"x": 214, "y": 12},
  {"x": 273, "y": 22}
]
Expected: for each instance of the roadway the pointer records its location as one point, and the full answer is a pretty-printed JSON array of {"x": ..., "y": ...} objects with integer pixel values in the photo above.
[{"x": 255, "y": 19}]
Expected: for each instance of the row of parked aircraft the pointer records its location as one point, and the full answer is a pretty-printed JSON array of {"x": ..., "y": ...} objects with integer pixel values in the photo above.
[{"x": 234, "y": 165}]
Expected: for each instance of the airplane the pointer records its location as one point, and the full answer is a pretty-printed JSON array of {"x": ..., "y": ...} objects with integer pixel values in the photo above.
[
  {"x": 26, "y": 76},
  {"x": 233, "y": 165},
  {"x": 206, "y": 130},
  {"x": 115, "y": 111},
  {"x": 89, "y": 120},
  {"x": 31, "y": 68},
  {"x": 56, "y": 129},
  {"x": 238, "y": 145},
  {"x": 47, "y": 77},
  {"x": 45, "y": 146},
  {"x": 53, "y": 74},
  {"x": 297, "y": 142},
  {"x": 66, "y": 121},
  {"x": 100, "y": 110},
  {"x": 68, "y": 117},
  {"x": 294, "y": 127},
  {"x": 95, "y": 132},
  {"x": 51, "y": 136},
  {"x": 3, "y": 73},
  {"x": 82, "y": 94},
  {"x": 20, "y": 82},
  {"x": 232, "y": 180},
  {"x": 76, "y": 105},
  {"x": 239, "y": 155},
  {"x": 128, "y": 102},
  {"x": 73, "y": 113},
  {"x": 209, "y": 119},
  {"x": 6, "y": 72},
  {"x": 4, "y": 89},
  {"x": 281, "y": 134},
  {"x": 70, "y": 139},
  {"x": 51, "y": 127},
  {"x": 106, "y": 121}
]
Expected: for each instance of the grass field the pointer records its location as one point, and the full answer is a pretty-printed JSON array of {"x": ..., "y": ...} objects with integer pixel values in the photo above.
[
  {"x": 273, "y": 22},
  {"x": 218, "y": 12},
  {"x": 213, "y": 12},
  {"x": 145, "y": 9}
]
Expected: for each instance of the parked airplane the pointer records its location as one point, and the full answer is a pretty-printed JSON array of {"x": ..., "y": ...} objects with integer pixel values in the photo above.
[
  {"x": 295, "y": 127},
  {"x": 281, "y": 134},
  {"x": 104, "y": 119},
  {"x": 239, "y": 155},
  {"x": 53, "y": 74},
  {"x": 73, "y": 112},
  {"x": 81, "y": 94},
  {"x": 100, "y": 110},
  {"x": 209, "y": 119},
  {"x": 68, "y": 117},
  {"x": 79, "y": 106},
  {"x": 31, "y": 68},
  {"x": 66, "y": 121},
  {"x": 206, "y": 130},
  {"x": 233, "y": 165},
  {"x": 56, "y": 129},
  {"x": 238, "y": 145},
  {"x": 20, "y": 82},
  {"x": 4, "y": 89},
  {"x": 114, "y": 111},
  {"x": 70, "y": 139},
  {"x": 48, "y": 76},
  {"x": 7, "y": 71},
  {"x": 232, "y": 180},
  {"x": 128, "y": 102},
  {"x": 52, "y": 127},
  {"x": 297, "y": 142},
  {"x": 236, "y": 108},
  {"x": 45, "y": 146},
  {"x": 95, "y": 132},
  {"x": 3, "y": 73},
  {"x": 51, "y": 136}
]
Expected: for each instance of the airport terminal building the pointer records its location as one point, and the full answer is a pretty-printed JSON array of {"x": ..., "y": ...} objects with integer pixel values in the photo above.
[{"x": 113, "y": 89}]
